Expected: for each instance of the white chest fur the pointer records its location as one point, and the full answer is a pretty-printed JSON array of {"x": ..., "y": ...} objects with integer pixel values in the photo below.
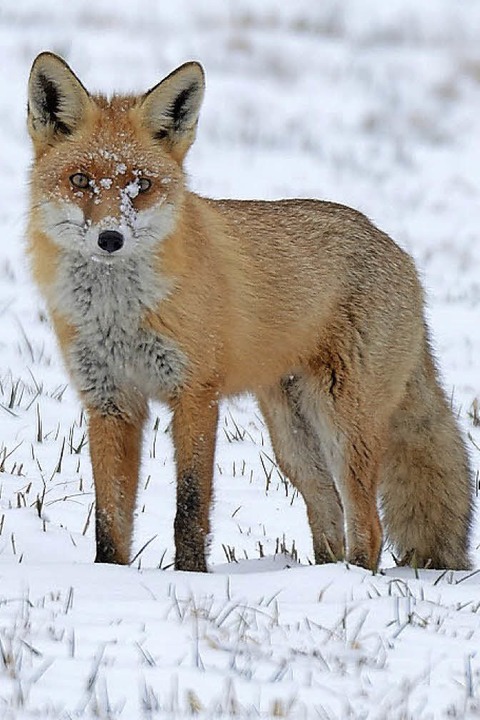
[{"x": 113, "y": 358}]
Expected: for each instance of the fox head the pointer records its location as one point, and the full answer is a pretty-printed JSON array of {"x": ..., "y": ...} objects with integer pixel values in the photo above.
[{"x": 107, "y": 181}]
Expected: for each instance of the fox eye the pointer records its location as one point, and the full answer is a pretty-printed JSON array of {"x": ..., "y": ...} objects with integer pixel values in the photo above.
[
  {"x": 80, "y": 180},
  {"x": 144, "y": 184}
]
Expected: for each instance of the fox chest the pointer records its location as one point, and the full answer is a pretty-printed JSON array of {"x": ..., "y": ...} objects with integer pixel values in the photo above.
[
  {"x": 114, "y": 357},
  {"x": 111, "y": 360}
]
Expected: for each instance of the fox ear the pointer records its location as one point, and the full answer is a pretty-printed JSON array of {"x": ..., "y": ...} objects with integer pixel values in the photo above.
[
  {"x": 170, "y": 109},
  {"x": 57, "y": 100}
]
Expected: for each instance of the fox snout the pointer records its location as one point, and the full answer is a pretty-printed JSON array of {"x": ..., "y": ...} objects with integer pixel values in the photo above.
[{"x": 110, "y": 240}]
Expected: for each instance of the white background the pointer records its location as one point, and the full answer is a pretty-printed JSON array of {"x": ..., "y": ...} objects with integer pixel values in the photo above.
[{"x": 374, "y": 104}]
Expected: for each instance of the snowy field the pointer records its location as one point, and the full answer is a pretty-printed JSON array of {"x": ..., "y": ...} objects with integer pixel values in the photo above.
[{"x": 374, "y": 104}]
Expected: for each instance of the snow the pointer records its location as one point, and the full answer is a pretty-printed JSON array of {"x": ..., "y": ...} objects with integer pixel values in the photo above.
[{"x": 372, "y": 104}]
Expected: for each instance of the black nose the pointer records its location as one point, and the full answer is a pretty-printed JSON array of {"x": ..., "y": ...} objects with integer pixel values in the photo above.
[{"x": 110, "y": 240}]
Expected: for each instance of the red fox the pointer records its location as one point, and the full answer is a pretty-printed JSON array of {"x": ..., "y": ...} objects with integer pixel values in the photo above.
[{"x": 157, "y": 293}]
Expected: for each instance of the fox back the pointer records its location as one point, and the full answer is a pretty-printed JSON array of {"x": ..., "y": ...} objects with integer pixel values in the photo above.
[{"x": 155, "y": 292}]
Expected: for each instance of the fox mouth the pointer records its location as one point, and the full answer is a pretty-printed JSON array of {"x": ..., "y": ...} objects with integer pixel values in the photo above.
[{"x": 104, "y": 258}]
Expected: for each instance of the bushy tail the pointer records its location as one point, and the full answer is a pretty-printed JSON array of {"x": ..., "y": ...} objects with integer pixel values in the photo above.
[{"x": 426, "y": 486}]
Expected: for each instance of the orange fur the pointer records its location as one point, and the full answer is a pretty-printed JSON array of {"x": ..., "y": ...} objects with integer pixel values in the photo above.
[
  {"x": 304, "y": 303},
  {"x": 115, "y": 445}
]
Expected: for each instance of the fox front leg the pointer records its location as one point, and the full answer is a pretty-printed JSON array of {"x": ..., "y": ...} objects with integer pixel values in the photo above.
[
  {"x": 115, "y": 446},
  {"x": 194, "y": 431}
]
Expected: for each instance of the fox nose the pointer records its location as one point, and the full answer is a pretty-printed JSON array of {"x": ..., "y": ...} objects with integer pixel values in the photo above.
[{"x": 110, "y": 240}]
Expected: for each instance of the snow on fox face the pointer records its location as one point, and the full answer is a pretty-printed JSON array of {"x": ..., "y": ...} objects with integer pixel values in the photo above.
[{"x": 110, "y": 204}]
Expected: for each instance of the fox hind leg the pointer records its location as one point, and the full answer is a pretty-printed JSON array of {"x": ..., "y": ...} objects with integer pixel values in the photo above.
[
  {"x": 299, "y": 453},
  {"x": 347, "y": 420}
]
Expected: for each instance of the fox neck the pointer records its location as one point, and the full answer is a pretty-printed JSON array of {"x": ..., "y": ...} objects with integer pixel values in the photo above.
[
  {"x": 114, "y": 292},
  {"x": 116, "y": 361}
]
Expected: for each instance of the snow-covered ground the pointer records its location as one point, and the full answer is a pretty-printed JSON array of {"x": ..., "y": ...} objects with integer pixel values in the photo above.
[{"x": 375, "y": 104}]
